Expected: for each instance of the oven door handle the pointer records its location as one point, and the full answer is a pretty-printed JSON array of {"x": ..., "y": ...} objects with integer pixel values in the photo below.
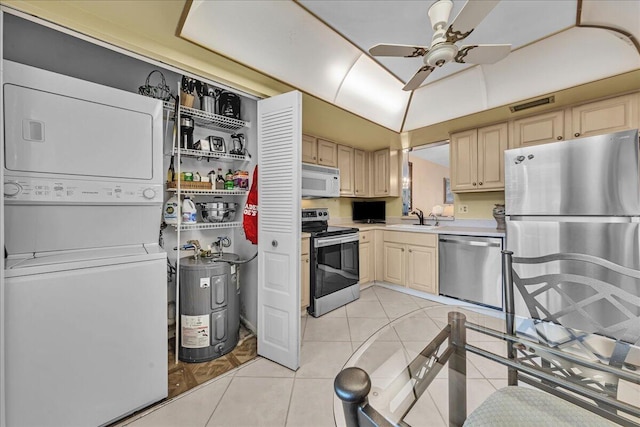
[{"x": 335, "y": 240}]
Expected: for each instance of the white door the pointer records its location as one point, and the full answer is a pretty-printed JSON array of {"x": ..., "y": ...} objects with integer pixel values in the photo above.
[{"x": 279, "y": 169}]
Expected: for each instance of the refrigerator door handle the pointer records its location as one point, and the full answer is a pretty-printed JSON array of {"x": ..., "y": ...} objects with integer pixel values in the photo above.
[
  {"x": 470, "y": 242},
  {"x": 588, "y": 219}
]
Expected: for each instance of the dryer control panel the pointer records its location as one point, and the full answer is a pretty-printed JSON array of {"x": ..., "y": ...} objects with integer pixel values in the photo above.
[{"x": 26, "y": 189}]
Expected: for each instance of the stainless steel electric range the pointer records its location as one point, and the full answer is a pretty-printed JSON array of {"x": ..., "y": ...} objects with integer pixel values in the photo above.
[{"x": 334, "y": 262}]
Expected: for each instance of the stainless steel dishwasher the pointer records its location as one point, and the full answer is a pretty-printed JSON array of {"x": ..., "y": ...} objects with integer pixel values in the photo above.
[{"x": 471, "y": 268}]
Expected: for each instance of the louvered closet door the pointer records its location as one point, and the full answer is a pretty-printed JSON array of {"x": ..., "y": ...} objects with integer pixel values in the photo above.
[{"x": 279, "y": 164}]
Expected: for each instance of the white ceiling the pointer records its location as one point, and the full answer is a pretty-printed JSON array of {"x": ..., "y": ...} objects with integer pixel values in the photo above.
[
  {"x": 320, "y": 47},
  {"x": 367, "y": 23}
]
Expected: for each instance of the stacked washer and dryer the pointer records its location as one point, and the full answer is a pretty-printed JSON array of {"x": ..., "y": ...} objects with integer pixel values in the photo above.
[{"x": 85, "y": 279}]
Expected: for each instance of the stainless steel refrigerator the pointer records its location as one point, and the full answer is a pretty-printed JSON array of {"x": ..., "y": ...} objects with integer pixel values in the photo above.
[{"x": 577, "y": 196}]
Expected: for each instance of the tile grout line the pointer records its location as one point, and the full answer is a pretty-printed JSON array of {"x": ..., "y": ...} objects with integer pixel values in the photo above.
[{"x": 220, "y": 400}]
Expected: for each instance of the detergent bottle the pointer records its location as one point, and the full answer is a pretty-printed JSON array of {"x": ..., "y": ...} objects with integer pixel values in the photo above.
[
  {"x": 171, "y": 211},
  {"x": 189, "y": 211}
]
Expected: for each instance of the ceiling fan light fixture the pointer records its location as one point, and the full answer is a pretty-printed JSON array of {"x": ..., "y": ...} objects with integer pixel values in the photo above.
[
  {"x": 441, "y": 54},
  {"x": 439, "y": 13}
]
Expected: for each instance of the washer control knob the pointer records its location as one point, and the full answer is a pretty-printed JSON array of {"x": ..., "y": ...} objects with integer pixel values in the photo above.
[
  {"x": 149, "y": 193},
  {"x": 12, "y": 189}
]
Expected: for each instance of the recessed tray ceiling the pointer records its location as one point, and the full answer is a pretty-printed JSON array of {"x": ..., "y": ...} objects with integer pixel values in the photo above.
[{"x": 321, "y": 47}]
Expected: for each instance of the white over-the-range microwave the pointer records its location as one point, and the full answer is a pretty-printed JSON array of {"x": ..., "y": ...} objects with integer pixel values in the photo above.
[{"x": 320, "y": 181}]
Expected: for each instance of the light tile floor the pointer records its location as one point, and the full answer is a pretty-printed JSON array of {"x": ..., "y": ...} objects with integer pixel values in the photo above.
[{"x": 263, "y": 393}]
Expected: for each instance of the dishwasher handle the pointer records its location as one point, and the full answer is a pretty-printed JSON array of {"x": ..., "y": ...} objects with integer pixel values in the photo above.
[{"x": 471, "y": 242}]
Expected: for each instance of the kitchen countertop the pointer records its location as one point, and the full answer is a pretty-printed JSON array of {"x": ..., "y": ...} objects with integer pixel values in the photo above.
[{"x": 442, "y": 229}]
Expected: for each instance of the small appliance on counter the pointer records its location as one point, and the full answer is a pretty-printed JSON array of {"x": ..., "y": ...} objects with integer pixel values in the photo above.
[{"x": 334, "y": 258}]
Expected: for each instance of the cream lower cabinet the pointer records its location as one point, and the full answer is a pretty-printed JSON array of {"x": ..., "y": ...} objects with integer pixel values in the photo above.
[
  {"x": 367, "y": 256},
  {"x": 410, "y": 260},
  {"x": 305, "y": 273}
]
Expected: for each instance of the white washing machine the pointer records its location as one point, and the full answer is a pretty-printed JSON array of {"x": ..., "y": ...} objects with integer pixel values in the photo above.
[{"x": 85, "y": 335}]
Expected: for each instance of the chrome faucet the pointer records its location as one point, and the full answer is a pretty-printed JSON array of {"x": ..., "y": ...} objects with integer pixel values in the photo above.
[
  {"x": 420, "y": 215},
  {"x": 434, "y": 217}
]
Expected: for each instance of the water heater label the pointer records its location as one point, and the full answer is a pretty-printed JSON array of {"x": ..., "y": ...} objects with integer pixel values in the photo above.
[
  {"x": 195, "y": 331},
  {"x": 205, "y": 282}
]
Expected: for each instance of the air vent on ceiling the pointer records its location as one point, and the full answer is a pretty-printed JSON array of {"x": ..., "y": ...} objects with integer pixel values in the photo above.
[{"x": 531, "y": 104}]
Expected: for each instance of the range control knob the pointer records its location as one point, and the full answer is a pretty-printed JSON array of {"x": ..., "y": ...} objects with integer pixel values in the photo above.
[
  {"x": 12, "y": 189},
  {"x": 149, "y": 193}
]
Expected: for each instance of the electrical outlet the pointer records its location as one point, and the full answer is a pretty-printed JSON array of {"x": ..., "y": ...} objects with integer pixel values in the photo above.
[{"x": 463, "y": 208}]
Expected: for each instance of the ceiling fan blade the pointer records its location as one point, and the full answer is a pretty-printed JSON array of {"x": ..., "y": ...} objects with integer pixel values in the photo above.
[
  {"x": 398, "y": 50},
  {"x": 482, "y": 54},
  {"x": 418, "y": 78},
  {"x": 472, "y": 13}
]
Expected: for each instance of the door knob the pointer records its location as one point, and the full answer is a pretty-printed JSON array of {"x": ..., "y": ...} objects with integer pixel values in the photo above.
[
  {"x": 576, "y": 134},
  {"x": 479, "y": 183},
  {"x": 274, "y": 243},
  {"x": 474, "y": 184},
  {"x": 559, "y": 138}
]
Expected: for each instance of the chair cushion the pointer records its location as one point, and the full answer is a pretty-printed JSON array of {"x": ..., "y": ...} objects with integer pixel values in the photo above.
[{"x": 519, "y": 406}]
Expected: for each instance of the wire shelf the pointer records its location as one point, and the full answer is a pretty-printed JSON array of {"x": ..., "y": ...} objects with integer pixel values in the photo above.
[
  {"x": 209, "y": 120},
  {"x": 208, "y": 226},
  {"x": 211, "y": 154},
  {"x": 210, "y": 192}
]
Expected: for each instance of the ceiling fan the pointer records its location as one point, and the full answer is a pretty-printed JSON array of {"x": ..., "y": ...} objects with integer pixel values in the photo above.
[{"x": 443, "y": 48}]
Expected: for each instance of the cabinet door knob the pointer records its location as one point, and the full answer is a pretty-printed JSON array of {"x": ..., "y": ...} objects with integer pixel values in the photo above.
[
  {"x": 559, "y": 138},
  {"x": 479, "y": 183},
  {"x": 410, "y": 250},
  {"x": 474, "y": 184},
  {"x": 274, "y": 243},
  {"x": 401, "y": 249},
  {"x": 314, "y": 157},
  {"x": 320, "y": 158},
  {"x": 576, "y": 134},
  {"x": 307, "y": 260}
]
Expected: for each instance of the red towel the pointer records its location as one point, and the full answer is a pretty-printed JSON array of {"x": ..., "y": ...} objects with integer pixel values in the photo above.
[{"x": 250, "y": 212}]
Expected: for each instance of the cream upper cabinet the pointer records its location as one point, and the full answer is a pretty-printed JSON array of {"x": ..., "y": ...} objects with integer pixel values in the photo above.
[
  {"x": 360, "y": 172},
  {"x": 464, "y": 160},
  {"x": 606, "y": 116},
  {"x": 347, "y": 170},
  {"x": 309, "y": 149},
  {"x": 540, "y": 129},
  {"x": 367, "y": 256},
  {"x": 492, "y": 141},
  {"x": 327, "y": 153},
  {"x": 410, "y": 260},
  {"x": 305, "y": 273},
  {"x": 477, "y": 158},
  {"x": 385, "y": 173}
]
